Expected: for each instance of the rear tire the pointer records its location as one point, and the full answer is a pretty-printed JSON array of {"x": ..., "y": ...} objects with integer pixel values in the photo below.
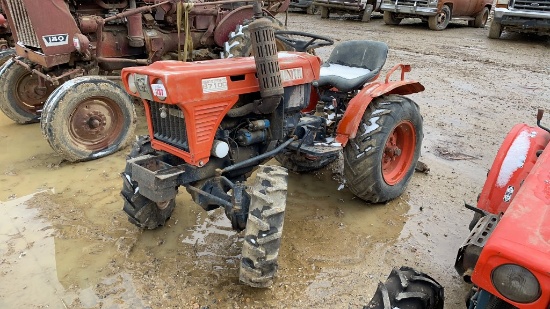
[
  {"x": 481, "y": 18},
  {"x": 141, "y": 211},
  {"x": 19, "y": 99},
  {"x": 441, "y": 20},
  {"x": 406, "y": 288},
  {"x": 264, "y": 227},
  {"x": 495, "y": 30},
  {"x": 380, "y": 161},
  {"x": 88, "y": 118},
  {"x": 390, "y": 18},
  {"x": 475, "y": 220},
  {"x": 367, "y": 13}
]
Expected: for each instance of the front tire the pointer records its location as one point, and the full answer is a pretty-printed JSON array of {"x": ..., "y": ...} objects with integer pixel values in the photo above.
[
  {"x": 88, "y": 118},
  {"x": 380, "y": 161},
  {"x": 441, "y": 20},
  {"x": 20, "y": 98},
  {"x": 408, "y": 289},
  {"x": 141, "y": 211},
  {"x": 264, "y": 227},
  {"x": 495, "y": 30}
]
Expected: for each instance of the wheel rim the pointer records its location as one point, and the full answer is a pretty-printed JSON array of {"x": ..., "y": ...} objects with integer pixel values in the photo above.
[
  {"x": 28, "y": 95},
  {"x": 441, "y": 18},
  {"x": 398, "y": 152},
  {"x": 96, "y": 123}
]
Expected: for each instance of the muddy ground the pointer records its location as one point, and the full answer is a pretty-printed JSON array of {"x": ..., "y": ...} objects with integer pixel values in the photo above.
[{"x": 65, "y": 242}]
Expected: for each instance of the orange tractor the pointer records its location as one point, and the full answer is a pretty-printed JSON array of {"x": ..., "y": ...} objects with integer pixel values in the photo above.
[
  {"x": 506, "y": 255},
  {"x": 212, "y": 123},
  {"x": 65, "y": 74}
]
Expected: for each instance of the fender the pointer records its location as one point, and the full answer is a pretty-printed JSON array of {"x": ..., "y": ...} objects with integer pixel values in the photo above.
[
  {"x": 347, "y": 128},
  {"x": 514, "y": 161},
  {"x": 236, "y": 17}
]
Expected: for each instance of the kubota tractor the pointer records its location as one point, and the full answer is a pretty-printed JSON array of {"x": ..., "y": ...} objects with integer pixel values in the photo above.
[
  {"x": 68, "y": 48},
  {"x": 507, "y": 253},
  {"x": 211, "y": 123}
]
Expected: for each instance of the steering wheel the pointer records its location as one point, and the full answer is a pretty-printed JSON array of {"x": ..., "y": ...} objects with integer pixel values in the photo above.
[{"x": 313, "y": 41}]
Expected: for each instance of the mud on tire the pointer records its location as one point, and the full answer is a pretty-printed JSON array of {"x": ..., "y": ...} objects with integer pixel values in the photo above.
[
  {"x": 380, "y": 161},
  {"x": 264, "y": 227},
  {"x": 18, "y": 99},
  {"x": 141, "y": 211},
  {"x": 88, "y": 118},
  {"x": 239, "y": 43},
  {"x": 406, "y": 288}
]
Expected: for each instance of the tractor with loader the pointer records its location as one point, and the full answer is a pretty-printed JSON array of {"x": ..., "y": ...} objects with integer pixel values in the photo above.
[
  {"x": 212, "y": 123},
  {"x": 65, "y": 72}
]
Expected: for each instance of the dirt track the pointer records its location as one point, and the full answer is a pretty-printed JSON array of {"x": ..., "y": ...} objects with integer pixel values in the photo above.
[{"x": 72, "y": 247}]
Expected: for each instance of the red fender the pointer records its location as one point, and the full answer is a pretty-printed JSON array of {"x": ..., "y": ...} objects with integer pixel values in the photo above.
[
  {"x": 347, "y": 128},
  {"x": 514, "y": 160},
  {"x": 236, "y": 17}
]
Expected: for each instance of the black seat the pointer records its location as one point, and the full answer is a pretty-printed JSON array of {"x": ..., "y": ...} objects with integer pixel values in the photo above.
[{"x": 351, "y": 64}]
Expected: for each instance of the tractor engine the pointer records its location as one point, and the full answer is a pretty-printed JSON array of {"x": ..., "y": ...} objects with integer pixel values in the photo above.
[{"x": 131, "y": 31}]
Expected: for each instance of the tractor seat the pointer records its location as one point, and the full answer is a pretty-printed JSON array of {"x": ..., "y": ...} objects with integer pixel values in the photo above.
[{"x": 352, "y": 64}]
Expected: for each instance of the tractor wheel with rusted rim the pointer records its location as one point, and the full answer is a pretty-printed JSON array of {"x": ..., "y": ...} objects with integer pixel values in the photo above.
[
  {"x": 441, "y": 20},
  {"x": 239, "y": 43},
  {"x": 21, "y": 97},
  {"x": 88, "y": 118},
  {"x": 381, "y": 159},
  {"x": 264, "y": 227},
  {"x": 141, "y": 211}
]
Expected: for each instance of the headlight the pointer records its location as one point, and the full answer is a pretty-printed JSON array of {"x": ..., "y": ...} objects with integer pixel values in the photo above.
[
  {"x": 159, "y": 90},
  {"x": 132, "y": 83},
  {"x": 516, "y": 283}
]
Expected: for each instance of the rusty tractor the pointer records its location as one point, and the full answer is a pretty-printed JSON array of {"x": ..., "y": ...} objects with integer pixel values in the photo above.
[
  {"x": 235, "y": 114},
  {"x": 65, "y": 74}
]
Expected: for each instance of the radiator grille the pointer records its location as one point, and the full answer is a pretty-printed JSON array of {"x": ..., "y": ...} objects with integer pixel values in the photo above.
[
  {"x": 417, "y": 3},
  {"x": 169, "y": 129},
  {"x": 532, "y": 5},
  {"x": 23, "y": 25}
]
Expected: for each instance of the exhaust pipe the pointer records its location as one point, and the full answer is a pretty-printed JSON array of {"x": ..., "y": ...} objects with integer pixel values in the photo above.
[{"x": 267, "y": 63}]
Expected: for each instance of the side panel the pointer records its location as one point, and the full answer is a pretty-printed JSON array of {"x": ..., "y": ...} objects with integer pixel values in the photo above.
[{"x": 514, "y": 160}]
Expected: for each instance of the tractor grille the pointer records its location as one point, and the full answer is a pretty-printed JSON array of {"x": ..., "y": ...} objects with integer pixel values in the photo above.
[
  {"x": 417, "y": 3},
  {"x": 23, "y": 26},
  {"x": 169, "y": 125},
  {"x": 531, "y": 5}
]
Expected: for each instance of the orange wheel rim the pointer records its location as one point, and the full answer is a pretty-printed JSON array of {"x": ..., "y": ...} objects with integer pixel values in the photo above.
[{"x": 398, "y": 152}]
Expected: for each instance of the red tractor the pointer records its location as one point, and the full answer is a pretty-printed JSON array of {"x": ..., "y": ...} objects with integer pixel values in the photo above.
[
  {"x": 507, "y": 253},
  {"x": 70, "y": 51},
  {"x": 212, "y": 123}
]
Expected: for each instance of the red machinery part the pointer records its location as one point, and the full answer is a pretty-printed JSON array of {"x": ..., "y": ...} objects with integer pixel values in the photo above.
[
  {"x": 515, "y": 159},
  {"x": 211, "y": 91},
  {"x": 522, "y": 236}
]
